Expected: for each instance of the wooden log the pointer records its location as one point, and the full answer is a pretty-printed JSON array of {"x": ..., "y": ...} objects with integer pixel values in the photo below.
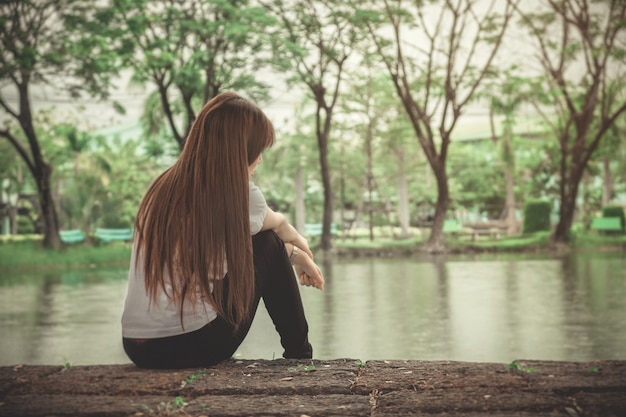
[{"x": 342, "y": 387}]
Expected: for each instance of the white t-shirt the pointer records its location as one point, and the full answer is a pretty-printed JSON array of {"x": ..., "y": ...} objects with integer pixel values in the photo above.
[{"x": 143, "y": 320}]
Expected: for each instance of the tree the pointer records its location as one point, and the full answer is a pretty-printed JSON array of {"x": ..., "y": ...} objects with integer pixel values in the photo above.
[
  {"x": 505, "y": 97},
  {"x": 381, "y": 125},
  {"x": 314, "y": 42},
  {"x": 612, "y": 152},
  {"x": 193, "y": 50},
  {"x": 437, "y": 55},
  {"x": 46, "y": 42},
  {"x": 81, "y": 173},
  {"x": 581, "y": 49},
  {"x": 10, "y": 173}
]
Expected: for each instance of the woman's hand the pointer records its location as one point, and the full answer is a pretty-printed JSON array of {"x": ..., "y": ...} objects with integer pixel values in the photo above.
[{"x": 309, "y": 274}]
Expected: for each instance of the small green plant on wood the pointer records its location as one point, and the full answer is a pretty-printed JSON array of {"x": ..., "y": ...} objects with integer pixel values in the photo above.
[
  {"x": 305, "y": 368},
  {"x": 518, "y": 367},
  {"x": 173, "y": 406},
  {"x": 196, "y": 375}
]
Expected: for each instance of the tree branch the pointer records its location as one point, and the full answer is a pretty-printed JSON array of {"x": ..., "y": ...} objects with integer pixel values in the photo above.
[
  {"x": 510, "y": 7},
  {"x": 6, "y": 107},
  {"x": 19, "y": 148}
]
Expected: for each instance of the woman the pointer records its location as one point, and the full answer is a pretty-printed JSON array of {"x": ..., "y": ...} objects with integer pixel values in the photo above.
[{"x": 207, "y": 249}]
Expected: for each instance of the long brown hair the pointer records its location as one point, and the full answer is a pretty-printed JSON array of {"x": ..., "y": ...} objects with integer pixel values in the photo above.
[{"x": 195, "y": 215}]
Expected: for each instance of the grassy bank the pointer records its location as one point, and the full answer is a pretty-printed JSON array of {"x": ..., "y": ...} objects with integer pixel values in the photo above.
[
  {"x": 463, "y": 243},
  {"x": 28, "y": 255}
]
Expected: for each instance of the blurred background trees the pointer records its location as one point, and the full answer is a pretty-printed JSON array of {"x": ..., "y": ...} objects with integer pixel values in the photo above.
[{"x": 407, "y": 114}]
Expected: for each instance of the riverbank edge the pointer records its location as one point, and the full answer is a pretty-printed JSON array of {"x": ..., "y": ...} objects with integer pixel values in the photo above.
[
  {"x": 399, "y": 252},
  {"x": 339, "y": 387},
  {"x": 352, "y": 252}
]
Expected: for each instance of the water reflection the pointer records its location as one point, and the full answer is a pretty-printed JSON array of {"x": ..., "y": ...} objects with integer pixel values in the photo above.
[
  {"x": 59, "y": 317},
  {"x": 473, "y": 309}
]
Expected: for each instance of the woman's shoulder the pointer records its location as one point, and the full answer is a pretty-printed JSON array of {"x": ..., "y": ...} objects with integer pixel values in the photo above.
[{"x": 255, "y": 193}]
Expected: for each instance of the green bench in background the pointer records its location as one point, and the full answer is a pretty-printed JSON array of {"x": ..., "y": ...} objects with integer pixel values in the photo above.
[
  {"x": 315, "y": 229},
  {"x": 109, "y": 235},
  {"x": 72, "y": 236},
  {"x": 451, "y": 226},
  {"x": 607, "y": 224}
]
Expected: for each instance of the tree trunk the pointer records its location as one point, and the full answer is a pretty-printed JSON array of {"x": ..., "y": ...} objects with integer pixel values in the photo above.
[
  {"x": 435, "y": 241},
  {"x": 323, "y": 132},
  {"x": 41, "y": 172},
  {"x": 13, "y": 220},
  {"x": 508, "y": 159},
  {"x": 607, "y": 189},
  {"x": 567, "y": 210},
  {"x": 300, "y": 206},
  {"x": 370, "y": 206},
  {"x": 6, "y": 218},
  {"x": 370, "y": 178},
  {"x": 327, "y": 217},
  {"x": 566, "y": 218},
  {"x": 326, "y": 243},
  {"x": 511, "y": 218},
  {"x": 403, "y": 196},
  {"x": 51, "y": 237}
]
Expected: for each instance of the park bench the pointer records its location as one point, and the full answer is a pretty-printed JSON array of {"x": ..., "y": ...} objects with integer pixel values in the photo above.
[
  {"x": 491, "y": 232},
  {"x": 606, "y": 224},
  {"x": 109, "y": 235},
  {"x": 455, "y": 228},
  {"x": 315, "y": 229},
  {"x": 72, "y": 236}
]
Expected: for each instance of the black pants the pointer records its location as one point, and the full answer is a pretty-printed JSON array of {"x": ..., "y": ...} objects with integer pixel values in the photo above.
[{"x": 275, "y": 282}]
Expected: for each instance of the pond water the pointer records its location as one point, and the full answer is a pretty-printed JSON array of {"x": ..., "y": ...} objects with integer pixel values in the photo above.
[{"x": 483, "y": 308}]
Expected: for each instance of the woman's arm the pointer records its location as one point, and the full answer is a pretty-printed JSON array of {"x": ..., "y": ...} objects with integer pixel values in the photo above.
[
  {"x": 277, "y": 222},
  {"x": 297, "y": 247}
]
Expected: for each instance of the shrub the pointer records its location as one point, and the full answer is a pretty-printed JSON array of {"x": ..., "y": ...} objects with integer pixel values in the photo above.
[
  {"x": 25, "y": 226},
  {"x": 537, "y": 216},
  {"x": 615, "y": 211}
]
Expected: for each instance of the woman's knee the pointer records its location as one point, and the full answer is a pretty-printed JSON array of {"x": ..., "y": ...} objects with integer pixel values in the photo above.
[{"x": 267, "y": 242}]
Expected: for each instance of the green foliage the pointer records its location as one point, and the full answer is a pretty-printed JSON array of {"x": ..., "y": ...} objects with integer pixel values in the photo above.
[
  {"x": 536, "y": 216},
  {"x": 191, "y": 51},
  {"x": 519, "y": 367},
  {"x": 195, "y": 376},
  {"x": 579, "y": 106},
  {"x": 536, "y": 161},
  {"x": 615, "y": 211},
  {"x": 475, "y": 178}
]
